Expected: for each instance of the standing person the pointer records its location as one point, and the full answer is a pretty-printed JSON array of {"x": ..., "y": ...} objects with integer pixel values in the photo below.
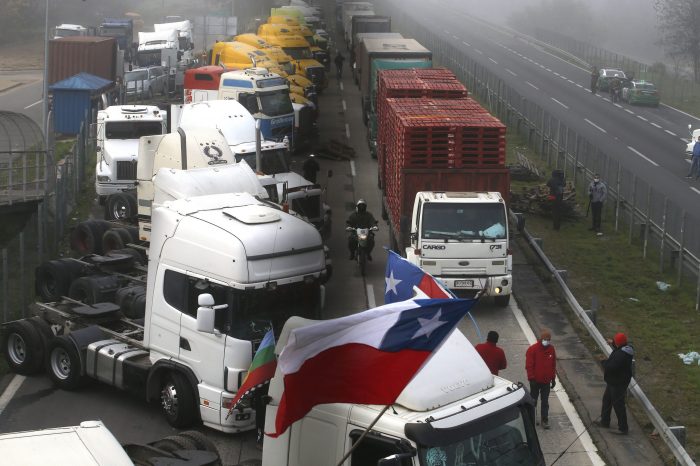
[
  {"x": 594, "y": 80},
  {"x": 311, "y": 168},
  {"x": 493, "y": 355},
  {"x": 556, "y": 192},
  {"x": 695, "y": 165},
  {"x": 617, "y": 375},
  {"x": 597, "y": 192},
  {"x": 541, "y": 366},
  {"x": 339, "y": 60}
]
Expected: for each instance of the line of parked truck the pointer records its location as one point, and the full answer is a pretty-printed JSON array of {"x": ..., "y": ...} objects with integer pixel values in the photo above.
[{"x": 174, "y": 306}]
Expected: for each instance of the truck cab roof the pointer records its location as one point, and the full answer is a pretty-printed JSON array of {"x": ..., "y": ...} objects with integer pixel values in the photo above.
[
  {"x": 460, "y": 197},
  {"x": 131, "y": 113}
]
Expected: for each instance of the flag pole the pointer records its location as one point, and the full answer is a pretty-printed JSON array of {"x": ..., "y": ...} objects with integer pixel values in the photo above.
[{"x": 369, "y": 427}]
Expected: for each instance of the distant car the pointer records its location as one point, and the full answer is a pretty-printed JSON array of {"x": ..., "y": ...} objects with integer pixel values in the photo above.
[
  {"x": 146, "y": 82},
  {"x": 607, "y": 75},
  {"x": 641, "y": 92}
]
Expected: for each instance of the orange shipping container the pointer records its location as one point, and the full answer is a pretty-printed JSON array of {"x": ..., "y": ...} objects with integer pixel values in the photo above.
[{"x": 72, "y": 55}]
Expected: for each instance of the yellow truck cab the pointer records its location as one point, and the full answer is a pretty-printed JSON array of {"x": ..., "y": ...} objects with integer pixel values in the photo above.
[
  {"x": 298, "y": 48},
  {"x": 239, "y": 56},
  {"x": 288, "y": 22}
]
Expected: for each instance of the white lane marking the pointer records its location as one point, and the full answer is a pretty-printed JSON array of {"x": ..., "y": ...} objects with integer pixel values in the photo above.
[
  {"x": 606, "y": 99},
  {"x": 579, "y": 86},
  {"x": 479, "y": 51},
  {"x": 371, "y": 303},
  {"x": 347, "y": 130},
  {"x": 579, "y": 428},
  {"x": 560, "y": 103},
  {"x": 643, "y": 156},
  {"x": 618, "y": 105},
  {"x": 572, "y": 82},
  {"x": 455, "y": 37},
  {"x": 563, "y": 77},
  {"x": 670, "y": 132},
  {"x": 629, "y": 111},
  {"x": 466, "y": 43},
  {"x": 532, "y": 85},
  {"x": 556, "y": 74},
  {"x": 352, "y": 168},
  {"x": 542, "y": 66},
  {"x": 594, "y": 125},
  {"x": 642, "y": 118},
  {"x": 655, "y": 125},
  {"x": 35, "y": 103},
  {"x": 10, "y": 391},
  {"x": 345, "y": 106},
  {"x": 493, "y": 60},
  {"x": 341, "y": 86},
  {"x": 695, "y": 189},
  {"x": 681, "y": 111},
  {"x": 509, "y": 71},
  {"x": 685, "y": 140},
  {"x": 548, "y": 69}
]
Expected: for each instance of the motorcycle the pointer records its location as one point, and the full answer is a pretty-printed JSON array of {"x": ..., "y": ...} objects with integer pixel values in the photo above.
[{"x": 362, "y": 236}]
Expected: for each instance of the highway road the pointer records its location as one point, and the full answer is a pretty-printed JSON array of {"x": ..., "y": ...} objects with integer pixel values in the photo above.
[
  {"x": 34, "y": 403},
  {"x": 648, "y": 142},
  {"x": 24, "y": 98}
]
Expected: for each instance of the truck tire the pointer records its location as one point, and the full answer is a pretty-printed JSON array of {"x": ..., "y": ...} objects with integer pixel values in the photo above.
[
  {"x": 87, "y": 236},
  {"x": 120, "y": 206},
  {"x": 53, "y": 278},
  {"x": 501, "y": 300},
  {"x": 116, "y": 238},
  {"x": 63, "y": 363},
  {"x": 94, "y": 289},
  {"x": 201, "y": 440},
  {"x": 175, "y": 442},
  {"x": 133, "y": 233},
  {"x": 177, "y": 400},
  {"x": 23, "y": 347}
]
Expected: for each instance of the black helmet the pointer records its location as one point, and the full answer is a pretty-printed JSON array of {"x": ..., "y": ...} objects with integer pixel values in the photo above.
[{"x": 361, "y": 206}]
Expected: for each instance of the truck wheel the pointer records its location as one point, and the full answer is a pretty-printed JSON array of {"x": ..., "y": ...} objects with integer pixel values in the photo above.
[
  {"x": 53, "y": 278},
  {"x": 63, "y": 363},
  {"x": 177, "y": 400},
  {"x": 23, "y": 348},
  {"x": 120, "y": 206},
  {"x": 202, "y": 442},
  {"x": 87, "y": 236},
  {"x": 114, "y": 239},
  {"x": 176, "y": 442},
  {"x": 502, "y": 300}
]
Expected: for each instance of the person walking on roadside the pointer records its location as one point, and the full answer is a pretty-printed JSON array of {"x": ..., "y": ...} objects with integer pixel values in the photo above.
[
  {"x": 617, "y": 375},
  {"x": 594, "y": 80},
  {"x": 556, "y": 194},
  {"x": 541, "y": 366},
  {"x": 339, "y": 60},
  {"x": 493, "y": 355},
  {"x": 597, "y": 192},
  {"x": 695, "y": 165}
]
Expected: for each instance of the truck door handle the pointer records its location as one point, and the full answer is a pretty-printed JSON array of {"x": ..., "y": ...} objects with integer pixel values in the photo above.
[{"x": 185, "y": 344}]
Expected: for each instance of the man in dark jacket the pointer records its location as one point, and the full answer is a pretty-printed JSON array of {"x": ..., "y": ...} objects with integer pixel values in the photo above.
[
  {"x": 618, "y": 373},
  {"x": 310, "y": 168},
  {"x": 541, "y": 366},
  {"x": 556, "y": 193},
  {"x": 361, "y": 218},
  {"x": 493, "y": 356}
]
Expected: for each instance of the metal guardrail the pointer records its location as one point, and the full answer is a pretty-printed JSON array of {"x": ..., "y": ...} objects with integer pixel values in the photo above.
[{"x": 665, "y": 432}]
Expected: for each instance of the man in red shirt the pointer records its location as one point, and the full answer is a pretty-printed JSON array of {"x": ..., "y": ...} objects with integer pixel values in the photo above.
[
  {"x": 493, "y": 356},
  {"x": 541, "y": 365}
]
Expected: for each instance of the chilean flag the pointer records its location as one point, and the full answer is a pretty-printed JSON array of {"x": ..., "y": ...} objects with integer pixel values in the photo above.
[
  {"x": 365, "y": 358},
  {"x": 401, "y": 276}
]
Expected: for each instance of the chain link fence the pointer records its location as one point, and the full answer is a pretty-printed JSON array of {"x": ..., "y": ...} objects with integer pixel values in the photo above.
[{"x": 663, "y": 228}]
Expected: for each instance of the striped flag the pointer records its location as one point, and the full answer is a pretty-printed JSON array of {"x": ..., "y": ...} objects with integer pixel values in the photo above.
[{"x": 262, "y": 369}]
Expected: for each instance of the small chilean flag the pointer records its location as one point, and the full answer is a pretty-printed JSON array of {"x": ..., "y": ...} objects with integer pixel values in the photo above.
[
  {"x": 401, "y": 276},
  {"x": 261, "y": 370},
  {"x": 365, "y": 358}
]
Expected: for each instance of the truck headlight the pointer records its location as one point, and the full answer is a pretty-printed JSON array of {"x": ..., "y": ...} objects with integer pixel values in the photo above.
[{"x": 102, "y": 178}]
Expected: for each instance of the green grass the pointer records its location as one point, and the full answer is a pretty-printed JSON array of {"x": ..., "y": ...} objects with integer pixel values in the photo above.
[{"x": 659, "y": 324}]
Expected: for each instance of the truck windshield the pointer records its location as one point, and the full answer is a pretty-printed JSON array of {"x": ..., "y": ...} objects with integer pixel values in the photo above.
[
  {"x": 469, "y": 221},
  {"x": 113, "y": 31},
  {"x": 503, "y": 439},
  {"x": 276, "y": 103},
  {"x": 132, "y": 129},
  {"x": 148, "y": 58},
  {"x": 273, "y": 161},
  {"x": 298, "y": 53}
]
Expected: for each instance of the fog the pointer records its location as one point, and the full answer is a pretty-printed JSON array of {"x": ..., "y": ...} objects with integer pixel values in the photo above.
[{"x": 628, "y": 27}]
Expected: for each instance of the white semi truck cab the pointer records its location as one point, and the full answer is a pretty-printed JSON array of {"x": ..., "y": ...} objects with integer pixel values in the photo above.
[
  {"x": 461, "y": 238},
  {"x": 119, "y": 128},
  {"x": 184, "y": 37},
  {"x": 454, "y": 411}
]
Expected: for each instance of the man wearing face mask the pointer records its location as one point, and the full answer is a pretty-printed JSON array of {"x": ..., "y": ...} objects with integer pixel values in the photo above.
[
  {"x": 541, "y": 366},
  {"x": 597, "y": 192}
]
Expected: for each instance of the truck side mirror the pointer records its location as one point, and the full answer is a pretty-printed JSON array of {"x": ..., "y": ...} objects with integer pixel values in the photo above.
[{"x": 206, "y": 312}]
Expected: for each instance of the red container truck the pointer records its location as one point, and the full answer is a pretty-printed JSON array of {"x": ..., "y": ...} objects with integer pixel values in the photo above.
[{"x": 69, "y": 56}]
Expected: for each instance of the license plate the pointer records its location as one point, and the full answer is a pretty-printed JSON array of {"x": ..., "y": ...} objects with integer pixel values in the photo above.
[{"x": 464, "y": 283}]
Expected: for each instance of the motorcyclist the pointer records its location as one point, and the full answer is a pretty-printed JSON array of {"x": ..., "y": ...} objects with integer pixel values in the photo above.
[
  {"x": 594, "y": 79},
  {"x": 361, "y": 218}
]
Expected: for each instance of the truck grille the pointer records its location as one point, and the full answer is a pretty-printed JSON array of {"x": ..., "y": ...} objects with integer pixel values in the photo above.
[{"x": 126, "y": 170}]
